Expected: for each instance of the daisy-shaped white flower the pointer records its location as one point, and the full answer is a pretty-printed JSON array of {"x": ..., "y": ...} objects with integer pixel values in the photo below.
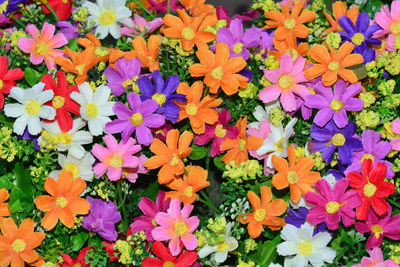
[
  {"x": 79, "y": 167},
  {"x": 108, "y": 15},
  {"x": 95, "y": 107},
  {"x": 221, "y": 249},
  {"x": 263, "y": 113},
  {"x": 70, "y": 141},
  {"x": 301, "y": 247},
  {"x": 277, "y": 142},
  {"x": 30, "y": 108}
]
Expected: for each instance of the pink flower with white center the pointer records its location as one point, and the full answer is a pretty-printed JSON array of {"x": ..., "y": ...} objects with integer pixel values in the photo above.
[
  {"x": 176, "y": 226},
  {"x": 141, "y": 26},
  {"x": 43, "y": 44},
  {"x": 115, "y": 158},
  {"x": 389, "y": 21},
  {"x": 286, "y": 81},
  {"x": 376, "y": 259}
]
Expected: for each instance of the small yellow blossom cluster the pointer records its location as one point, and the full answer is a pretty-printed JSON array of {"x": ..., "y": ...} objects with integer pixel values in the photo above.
[
  {"x": 101, "y": 191},
  {"x": 124, "y": 248},
  {"x": 394, "y": 253},
  {"x": 15, "y": 35},
  {"x": 248, "y": 170},
  {"x": 367, "y": 119},
  {"x": 266, "y": 5},
  {"x": 300, "y": 152},
  {"x": 49, "y": 264},
  {"x": 387, "y": 132},
  {"x": 271, "y": 63},
  {"x": 48, "y": 141},
  {"x": 390, "y": 61},
  {"x": 250, "y": 245},
  {"x": 80, "y": 14},
  {"x": 214, "y": 29},
  {"x": 250, "y": 91},
  {"x": 333, "y": 39},
  {"x": 368, "y": 99},
  {"x": 78, "y": 223},
  {"x": 318, "y": 5},
  {"x": 176, "y": 44},
  {"x": 276, "y": 116},
  {"x": 214, "y": 233},
  {"x": 318, "y": 25},
  {"x": 247, "y": 264},
  {"x": 38, "y": 172},
  {"x": 8, "y": 148},
  {"x": 386, "y": 87},
  {"x": 319, "y": 163}
]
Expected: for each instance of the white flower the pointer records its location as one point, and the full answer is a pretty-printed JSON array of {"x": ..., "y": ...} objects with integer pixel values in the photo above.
[
  {"x": 95, "y": 107},
  {"x": 277, "y": 142},
  {"x": 107, "y": 16},
  {"x": 30, "y": 108},
  {"x": 330, "y": 179},
  {"x": 222, "y": 248},
  {"x": 261, "y": 114},
  {"x": 79, "y": 167},
  {"x": 301, "y": 246},
  {"x": 71, "y": 140},
  {"x": 302, "y": 203}
]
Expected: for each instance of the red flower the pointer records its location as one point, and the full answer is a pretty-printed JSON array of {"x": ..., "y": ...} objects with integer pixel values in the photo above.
[
  {"x": 110, "y": 250},
  {"x": 77, "y": 261},
  {"x": 7, "y": 78},
  {"x": 61, "y": 7},
  {"x": 370, "y": 183},
  {"x": 186, "y": 259},
  {"x": 61, "y": 101}
]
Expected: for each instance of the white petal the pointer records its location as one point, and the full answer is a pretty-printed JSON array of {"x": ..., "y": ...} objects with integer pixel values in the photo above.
[
  {"x": 83, "y": 138},
  {"x": 102, "y": 31},
  {"x": 221, "y": 256},
  {"x": 102, "y": 94},
  {"x": 45, "y": 96},
  {"x": 77, "y": 151},
  {"x": 47, "y": 112},
  {"x": 232, "y": 243},
  {"x": 287, "y": 248},
  {"x": 17, "y": 93},
  {"x": 14, "y": 110},
  {"x": 96, "y": 127},
  {"x": 289, "y": 232},
  {"x": 264, "y": 149},
  {"x": 34, "y": 125},
  {"x": 106, "y": 109},
  {"x": 206, "y": 250},
  {"x": 321, "y": 240},
  {"x": 78, "y": 98},
  {"x": 115, "y": 31},
  {"x": 86, "y": 91},
  {"x": 20, "y": 124},
  {"x": 77, "y": 125}
]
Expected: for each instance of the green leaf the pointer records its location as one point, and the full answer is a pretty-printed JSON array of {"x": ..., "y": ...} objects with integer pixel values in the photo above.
[
  {"x": 152, "y": 190},
  {"x": 78, "y": 240},
  {"x": 359, "y": 70},
  {"x": 23, "y": 178},
  {"x": 198, "y": 152},
  {"x": 73, "y": 44},
  {"x": 32, "y": 76},
  {"x": 220, "y": 164},
  {"x": 5, "y": 182},
  {"x": 267, "y": 252}
]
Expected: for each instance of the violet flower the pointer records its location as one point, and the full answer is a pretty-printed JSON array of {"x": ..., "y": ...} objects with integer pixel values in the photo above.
[
  {"x": 70, "y": 31},
  {"x": 124, "y": 76},
  {"x": 163, "y": 93},
  {"x": 12, "y": 5},
  {"x": 102, "y": 218},
  {"x": 330, "y": 138},
  {"x": 299, "y": 218},
  {"x": 150, "y": 209},
  {"x": 140, "y": 26},
  {"x": 222, "y": 13},
  {"x": 334, "y": 104}
]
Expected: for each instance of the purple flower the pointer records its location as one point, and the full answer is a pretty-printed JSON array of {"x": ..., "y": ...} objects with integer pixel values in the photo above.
[
  {"x": 139, "y": 118},
  {"x": 334, "y": 104},
  {"x": 238, "y": 40},
  {"x": 163, "y": 93},
  {"x": 150, "y": 209},
  {"x": 70, "y": 31},
  {"x": 266, "y": 42},
  {"x": 140, "y": 26},
  {"x": 330, "y": 138},
  {"x": 373, "y": 148},
  {"x": 306, "y": 112},
  {"x": 102, "y": 218},
  {"x": 12, "y": 5},
  {"x": 360, "y": 35},
  {"x": 222, "y": 13},
  {"x": 124, "y": 77},
  {"x": 299, "y": 218}
]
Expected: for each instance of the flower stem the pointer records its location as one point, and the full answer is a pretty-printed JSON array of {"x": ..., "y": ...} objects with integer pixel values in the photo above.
[
  {"x": 208, "y": 202},
  {"x": 52, "y": 12},
  {"x": 18, "y": 21},
  {"x": 121, "y": 201},
  {"x": 393, "y": 203},
  {"x": 169, "y": 6}
]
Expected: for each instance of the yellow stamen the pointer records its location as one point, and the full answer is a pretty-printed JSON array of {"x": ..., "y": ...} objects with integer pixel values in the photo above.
[
  {"x": 285, "y": 81},
  {"x": 219, "y": 131},
  {"x": 217, "y": 73},
  {"x": 191, "y": 109},
  {"x": 305, "y": 248},
  {"x": 334, "y": 66},
  {"x": 18, "y": 245},
  {"x": 238, "y": 48},
  {"x": 336, "y": 105},
  {"x": 107, "y": 18},
  {"x": 91, "y": 110},
  {"x": 41, "y": 49},
  {"x": 61, "y": 202},
  {"x": 290, "y": 23},
  {"x": 180, "y": 228},
  {"x": 159, "y": 98},
  {"x": 58, "y": 101},
  {"x": 260, "y": 215},
  {"x": 116, "y": 161},
  {"x": 187, "y": 33},
  {"x": 292, "y": 177},
  {"x": 136, "y": 119},
  {"x": 358, "y": 38},
  {"x": 32, "y": 108}
]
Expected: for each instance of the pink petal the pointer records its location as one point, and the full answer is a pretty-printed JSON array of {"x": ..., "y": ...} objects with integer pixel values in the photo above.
[
  {"x": 288, "y": 101},
  {"x": 33, "y": 31},
  {"x": 27, "y": 45},
  {"x": 57, "y": 41},
  {"x": 270, "y": 94},
  {"x": 189, "y": 241},
  {"x": 161, "y": 234},
  {"x": 47, "y": 32}
]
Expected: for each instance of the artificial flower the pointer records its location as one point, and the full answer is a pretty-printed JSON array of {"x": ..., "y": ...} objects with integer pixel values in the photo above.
[
  {"x": 69, "y": 30},
  {"x": 147, "y": 53},
  {"x": 340, "y": 9},
  {"x": 4, "y": 210},
  {"x": 62, "y": 8},
  {"x": 80, "y": 260},
  {"x": 165, "y": 258},
  {"x": 140, "y": 26},
  {"x": 388, "y": 20},
  {"x": 222, "y": 14},
  {"x": 8, "y": 78},
  {"x": 395, "y": 142},
  {"x": 123, "y": 76},
  {"x": 79, "y": 167},
  {"x": 376, "y": 258},
  {"x": 299, "y": 218},
  {"x": 289, "y": 47}
]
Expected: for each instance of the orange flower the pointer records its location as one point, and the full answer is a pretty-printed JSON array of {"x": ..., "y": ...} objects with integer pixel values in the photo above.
[
  {"x": 332, "y": 64},
  {"x": 289, "y": 47},
  {"x": 101, "y": 52},
  {"x": 265, "y": 212},
  {"x": 340, "y": 9},
  {"x": 198, "y": 111},
  {"x": 170, "y": 155},
  {"x": 298, "y": 176},
  {"x": 17, "y": 244},
  {"x": 220, "y": 70},
  {"x": 193, "y": 181},
  {"x": 190, "y": 30},
  {"x": 64, "y": 202},
  {"x": 289, "y": 25},
  {"x": 4, "y": 211},
  {"x": 78, "y": 63},
  {"x": 197, "y": 7},
  {"x": 147, "y": 54},
  {"x": 238, "y": 147}
]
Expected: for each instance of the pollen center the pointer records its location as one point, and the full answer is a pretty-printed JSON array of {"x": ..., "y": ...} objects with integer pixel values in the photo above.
[
  {"x": 91, "y": 110},
  {"x": 58, "y": 101},
  {"x": 369, "y": 190},
  {"x": 65, "y": 138},
  {"x": 191, "y": 109},
  {"x": 188, "y": 192},
  {"x": 80, "y": 68},
  {"x": 334, "y": 66},
  {"x": 174, "y": 160},
  {"x": 259, "y": 215},
  {"x": 61, "y": 202},
  {"x": 72, "y": 168},
  {"x": 367, "y": 156},
  {"x": 238, "y": 48},
  {"x": 292, "y": 177},
  {"x": 285, "y": 81},
  {"x": 290, "y": 23},
  {"x": 32, "y": 108},
  {"x": 222, "y": 246},
  {"x": 188, "y": 33},
  {"x": 1, "y": 84},
  {"x": 242, "y": 144},
  {"x": 219, "y": 131},
  {"x": 305, "y": 248},
  {"x": 168, "y": 264},
  {"x": 41, "y": 49},
  {"x": 377, "y": 230},
  {"x": 338, "y": 139},
  {"x": 127, "y": 83},
  {"x": 107, "y": 18},
  {"x": 136, "y": 119},
  {"x": 180, "y": 228},
  {"x": 358, "y": 38},
  {"x": 332, "y": 207},
  {"x": 217, "y": 73},
  {"x": 395, "y": 28},
  {"x": 336, "y": 105},
  {"x": 18, "y": 245},
  {"x": 159, "y": 98}
]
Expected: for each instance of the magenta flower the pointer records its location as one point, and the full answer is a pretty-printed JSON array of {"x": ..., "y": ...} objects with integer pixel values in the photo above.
[
  {"x": 139, "y": 118},
  {"x": 43, "y": 45},
  {"x": 380, "y": 227},
  {"x": 331, "y": 205},
  {"x": 150, "y": 209},
  {"x": 140, "y": 26},
  {"x": 115, "y": 158},
  {"x": 176, "y": 226},
  {"x": 123, "y": 76},
  {"x": 376, "y": 259},
  {"x": 218, "y": 133},
  {"x": 388, "y": 20},
  {"x": 132, "y": 173},
  {"x": 396, "y": 129}
]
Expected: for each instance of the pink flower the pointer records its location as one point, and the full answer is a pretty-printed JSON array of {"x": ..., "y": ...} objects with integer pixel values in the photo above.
[
  {"x": 380, "y": 227},
  {"x": 331, "y": 205},
  {"x": 376, "y": 260},
  {"x": 141, "y": 26},
  {"x": 115, "y": 158},
  {"x": 396, "y": 129},
  {"x": 389, "y": 21},
  {"x": 132, "y": 173},
  {"x": 285, "y": 83},
  {"x": 176, "y": 226},
  {"x": 42, "y": 45}
]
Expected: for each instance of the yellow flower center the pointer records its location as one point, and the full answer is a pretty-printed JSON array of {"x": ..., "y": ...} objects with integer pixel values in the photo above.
[
  {"x": 377, "y": 230},
  {"x": 290, "y": 23},
  {"x": 242, "y": 144},
  {"x": 336, "y": 105},
  {"x": 65, "y": 2},
  {"x": 334, "y": 66},
  {"x": 332, "y": 207},
  {"x": 159, "y": 98},
  {"x": 116, "y": 161},
  {"x": 369, "y": 189},
  {"x": 58, "y": 101},
  {"x": 153, "y": 222},
  {"x": 293, "y": 53},
  {"x": 1, "y": 84},
  {"x": 312, "y": 91},
  {"x": 395, "y": 28},
  {"x": 292, "y": 177},
  {"x": 80, "y": 68},
  {"x": 107, "y": 18},
  {"x": 305, "y": 248},
  {"x": 101, "y": 51},
  {"x": 285, "y": 81},
  {"x": 188, "y": 33},
  {"x": 72, "y": 168},
  {"x": 180, "y": 228},
  {"x": 174, "y": 160},
  {"x": 188, "y": 192},
  {"x": 76, "y": 264},
  {"x": 259, "y": 215},
  {"x": 136, "y": 119},
  {"x": 338, "y": 139},
  {"x": 191, "y": 109},
  {"x": 367, "y": 156},
  {"x": 41, "y": 49},
  {"x": 358, "y": 38},
  {"x": 217, "y": 73},
  {"x": 65, "y": 138},
  {"x": 3, "y": 7},
  {"x": 91, "y": 110},
  {"x": 219, "y": 131},
  {"x": 279, "y": 144},
  {"x": 168, "y": 264},
  {"x": 18, "y": 245},
  {"x": 61, "y": 202},
  {"x": 238, "y": 48},
  {"x": 127, "y": 83},
  {"x": 32, "y": 108},
  {"x": 222, "y": 246}
]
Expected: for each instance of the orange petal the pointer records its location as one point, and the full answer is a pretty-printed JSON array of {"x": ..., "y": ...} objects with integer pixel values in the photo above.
[
  {"x": 50, "y": 220},
  {"x": 79, "y": 206},
  {"x": 280, "y": 164},
  {"x": 266, "y": 195},
  {"x": 320, "y": 54},
  {"x": 280, "y": 181},
  {"x": 348, "y": 75},
  {"x": 254, "y": 200},
  {"x": 254, "y": 229},
  {"x": 277, "y": 207},
  {"x": 329, "y": 77},
  {"x": 344, "y": 50},
  {"x": 67, "y": 217},
  {"x": 351, "y": 60}
]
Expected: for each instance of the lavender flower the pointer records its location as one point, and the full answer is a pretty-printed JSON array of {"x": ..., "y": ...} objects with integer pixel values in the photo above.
[
  {"x": 299, "y": 218},
  {"x": 70, "y": 31},
  {"x": 124, "y": 77},
  {"x": 141, "y": 26}
]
